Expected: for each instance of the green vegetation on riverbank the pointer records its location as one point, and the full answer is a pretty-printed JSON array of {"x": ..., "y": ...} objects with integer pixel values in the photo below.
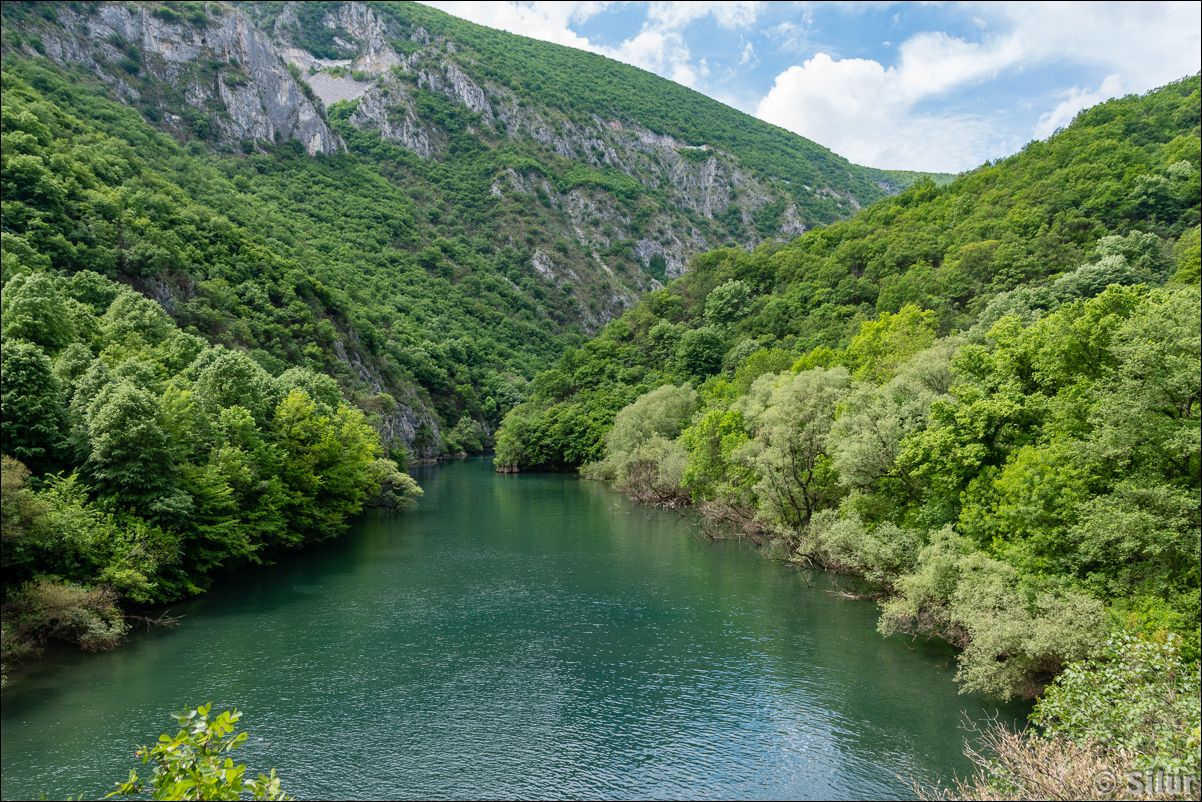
[
  {"x": 195, "y": 764},
  {"x": 982, "y": 398},
  {"x": 142, "y": 459},
  {"x": 217, "y": 346}
]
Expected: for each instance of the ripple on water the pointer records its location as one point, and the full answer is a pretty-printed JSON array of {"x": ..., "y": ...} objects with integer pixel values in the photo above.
[{"x": 512, "y": 637}]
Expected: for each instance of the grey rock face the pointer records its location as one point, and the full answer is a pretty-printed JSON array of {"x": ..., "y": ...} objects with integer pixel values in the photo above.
[
  {"x": 692, "y": 183},
  {"x": 467, "y": 92},
  {"x": 401, "y": 426},
  {"x": 791, "y": 225},
  {"x": 332, "y": 89},
  {"x": 358, "y": 20},
  {"x": 265, "y": 104},
  {"x": 387, "y": 108}
]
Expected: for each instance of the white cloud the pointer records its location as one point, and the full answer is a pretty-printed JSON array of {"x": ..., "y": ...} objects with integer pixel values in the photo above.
[
  {"x": 1146, "y": 44},
  {"x": 854, "y": 107},
  {"x": 793, "y": 35},
  {"x": 676, "y": 15},
  {"x": 748, "y": 54},
  {"x": 1074, "y": 101},
  {"x": 546, "y": 21},
  {"x": 872, "y": 114},
  {"x": 864, "y": 111}
]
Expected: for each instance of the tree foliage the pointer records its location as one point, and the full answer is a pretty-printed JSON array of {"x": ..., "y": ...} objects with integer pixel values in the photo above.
[
  {"x": 194, "y": 763},
  {"x": 981, "y": 398}
]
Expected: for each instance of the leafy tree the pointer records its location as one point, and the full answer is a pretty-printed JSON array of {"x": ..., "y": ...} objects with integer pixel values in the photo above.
[
  {"x": 32, "y": 402},
  {"x": 790, "y": 453},
  {"x": 1138, "y": 696},
  {"x": 700, "y": 352},
  {"x": 194, "y": 764},
  {"x": 1189, "y": 257},
  {"x": 640, "y": 449},
  {"x": 33, "y": 309},
  {"x": 876, "y": 353},
  {"x": 233, "y": 379},
  {"x": 129, "y": 452},
  {"x": 664, "y": 411},
  {"x": 728, "y": 303}
]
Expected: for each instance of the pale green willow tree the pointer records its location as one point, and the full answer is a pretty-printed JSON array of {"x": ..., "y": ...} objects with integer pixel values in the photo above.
[
  {"x": 642, "y": 455},
  {"x": 792, "y": 418}
]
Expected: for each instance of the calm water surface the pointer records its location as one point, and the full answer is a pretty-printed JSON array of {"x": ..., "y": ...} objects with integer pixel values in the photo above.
[{"x": 514, "y": 636}]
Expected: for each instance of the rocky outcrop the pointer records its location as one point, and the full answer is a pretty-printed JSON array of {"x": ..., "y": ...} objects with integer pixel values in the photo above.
[
  {"x": 335, "y": 88},
  {"x": 376, "y": 54},
  {"x": 456, "y": 85},
  {"x": 669, "y": 244},
  {"x": 387, "y": 108},
  {"x": 404, "y": 424},
  {"x": 791, "y": 225},
  {"x": 228, "y": 62},
  {"x": 696, "y": 196}
]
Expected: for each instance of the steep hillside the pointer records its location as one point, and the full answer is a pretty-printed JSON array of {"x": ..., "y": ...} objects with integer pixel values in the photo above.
[
  {"x": 1100, "y": 203},
  {"x": 467, "y": 199},
  {"x": 600, "y": 176}
]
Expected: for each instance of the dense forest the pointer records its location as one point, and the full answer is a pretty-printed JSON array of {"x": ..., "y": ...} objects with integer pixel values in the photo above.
[
  {"x": 469, "y": 202},
  {"x": 231, "y": 317},
  {"x": 228, "y": 326},
  {"x": 981, "y": 399}
]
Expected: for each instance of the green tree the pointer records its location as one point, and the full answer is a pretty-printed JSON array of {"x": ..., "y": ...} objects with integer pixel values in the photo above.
[
  {"x": 728, "y": 303},
  {"x": 1138, "y": 696},
  {"x": 700, "y": 352},
  {"x": 234, "y": 379},
  {"x": 876, "y": 353},
  {"x": 792, "y": 418},
  {"x": 33, "y": 309},
  {"x": 194, "y": 764},
  {"x": 1188, "y": 254},
  {"x": 31, "y": 396},
  {"x": 129, "y": 458}
]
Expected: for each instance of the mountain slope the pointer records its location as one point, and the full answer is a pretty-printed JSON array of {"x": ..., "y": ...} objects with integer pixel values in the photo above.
[
  {"x": 553, "y": 136},
  {"x": 439, "y": 197},
  {"x": 1101, "y": 202},
  {"x": 981, "y": 399}
]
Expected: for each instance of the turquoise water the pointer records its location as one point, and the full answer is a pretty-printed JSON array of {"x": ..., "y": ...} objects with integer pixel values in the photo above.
[{"x": 529, "y": 635}]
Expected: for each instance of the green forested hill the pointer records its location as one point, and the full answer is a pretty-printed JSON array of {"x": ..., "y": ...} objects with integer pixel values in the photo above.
[
  {"x": 462, "y": 181},
  {"x": 1101, "y": 202},
  {"x": 981, "y": 398},
  {"x": 257, "y": 256},
  {"x": 229, "y": 311}
]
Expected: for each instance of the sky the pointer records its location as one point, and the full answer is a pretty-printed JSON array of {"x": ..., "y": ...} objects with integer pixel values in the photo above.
[{"x": 940, "y": 87}]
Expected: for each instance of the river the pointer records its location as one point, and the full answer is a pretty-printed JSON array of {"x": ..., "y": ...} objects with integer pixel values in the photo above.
[{"x": 528, "y": 635}]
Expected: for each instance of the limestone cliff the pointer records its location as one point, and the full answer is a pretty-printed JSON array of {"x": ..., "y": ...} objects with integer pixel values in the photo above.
[{"x": 232, "y": 81}]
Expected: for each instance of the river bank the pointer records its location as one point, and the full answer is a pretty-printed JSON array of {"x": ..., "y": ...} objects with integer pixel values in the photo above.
[{"x": 527, "y": 635}]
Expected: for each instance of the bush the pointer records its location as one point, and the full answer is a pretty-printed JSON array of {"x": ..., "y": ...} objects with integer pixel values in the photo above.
[
  {"x": 1138, "y": 696},
  {"x": 700, "y": 352},
  {"x": 1016, "y": 635},
  {"x": 47, "y": 609},
  {"x": 191, "y": 765},
  {"x": 1111, "y": 724}
]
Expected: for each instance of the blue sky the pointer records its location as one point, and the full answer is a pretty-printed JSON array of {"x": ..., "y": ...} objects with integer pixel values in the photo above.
[{"x": 916, "y": 86}]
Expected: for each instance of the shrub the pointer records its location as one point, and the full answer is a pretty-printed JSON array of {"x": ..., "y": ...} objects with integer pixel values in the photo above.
[
  {"x": 1111, "y": 724},
  {"x": 47, "y": 609},
  {"x": 191, "y": 765},
  {"x": 1137, "y": 696}
]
